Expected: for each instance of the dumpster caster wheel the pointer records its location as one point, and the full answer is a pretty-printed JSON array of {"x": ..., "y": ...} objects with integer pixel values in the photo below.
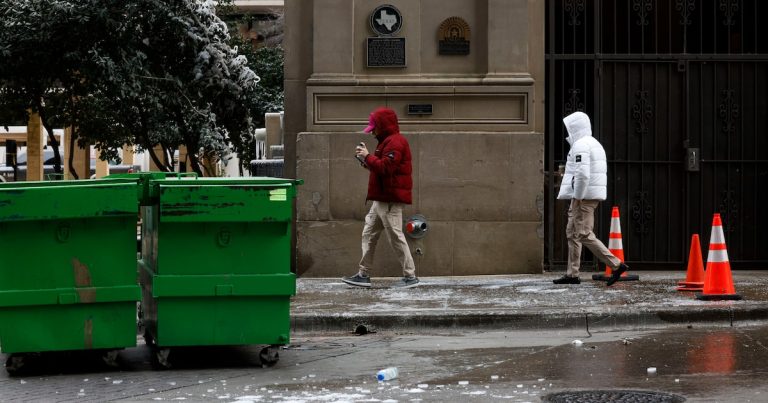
[
  {"x": 110, "y": 358},
  {"x": 148, "y": 339},
  {"x": 15, "y": 364},
  {"x": 160, "y": 358},
  {"x": 140, "y": 323},
  {"x": 269, "y": 356}
]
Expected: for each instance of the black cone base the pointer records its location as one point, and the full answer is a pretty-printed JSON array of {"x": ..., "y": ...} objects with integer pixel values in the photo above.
[
  {"x": 628, "y": 277},
  {"x": 718, "y": 297}
]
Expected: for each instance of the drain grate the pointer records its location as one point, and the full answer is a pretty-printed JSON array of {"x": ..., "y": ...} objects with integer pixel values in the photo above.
[{"x": 612, "y": 396}]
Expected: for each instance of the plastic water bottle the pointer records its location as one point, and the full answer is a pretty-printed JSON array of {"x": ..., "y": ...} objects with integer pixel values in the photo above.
[{"x": 387, "y": 374}]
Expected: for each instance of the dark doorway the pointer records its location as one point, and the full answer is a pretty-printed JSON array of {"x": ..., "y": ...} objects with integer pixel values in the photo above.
[{"x": 678, "y": 94}]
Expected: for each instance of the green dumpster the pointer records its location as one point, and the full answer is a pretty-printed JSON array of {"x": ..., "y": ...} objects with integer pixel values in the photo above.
[
  {"x": 67, "y": 274},
  {"x": 215, "y": 263}
]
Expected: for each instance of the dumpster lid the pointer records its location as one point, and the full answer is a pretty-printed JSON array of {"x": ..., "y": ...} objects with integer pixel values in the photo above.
[
  {"x": 65, "y": 183},
  {"x": 205, "y": 181}
]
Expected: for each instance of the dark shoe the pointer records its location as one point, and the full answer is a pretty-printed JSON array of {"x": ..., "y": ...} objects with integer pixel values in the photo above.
[
  {"x": 358, "y": 280},
  {"x": 567, "y": 280},
  {"x": 406, "y": 282},
  {"x": 616, "y": 274}
]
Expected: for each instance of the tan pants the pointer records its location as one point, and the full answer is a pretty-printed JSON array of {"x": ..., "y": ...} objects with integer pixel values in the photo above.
[
  {"x": 581, "y": 221},
  {"x": 386, "y": 217}
]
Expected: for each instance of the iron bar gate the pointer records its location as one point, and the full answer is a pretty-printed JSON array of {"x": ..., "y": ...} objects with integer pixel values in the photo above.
[{"x": 678, "y": 94}]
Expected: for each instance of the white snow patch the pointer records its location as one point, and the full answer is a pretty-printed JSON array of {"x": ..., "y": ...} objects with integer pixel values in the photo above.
[
  {"x": 542, "y": 290},
  {"x": 330, "y": 397}
]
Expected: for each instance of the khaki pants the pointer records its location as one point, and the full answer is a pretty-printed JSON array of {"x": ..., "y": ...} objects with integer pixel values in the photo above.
[
  {"x": 581, "y": 220},
  {"x": 386, "y": 217}
]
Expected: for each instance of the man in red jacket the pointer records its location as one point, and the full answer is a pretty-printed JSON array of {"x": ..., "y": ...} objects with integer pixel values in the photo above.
[{"x": 389, "y": 187}]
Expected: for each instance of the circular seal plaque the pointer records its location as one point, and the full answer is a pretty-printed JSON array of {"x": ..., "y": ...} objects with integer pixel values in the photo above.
[
  {"x": 454, "y": 29},
  {"x": 386, "y": 20}
]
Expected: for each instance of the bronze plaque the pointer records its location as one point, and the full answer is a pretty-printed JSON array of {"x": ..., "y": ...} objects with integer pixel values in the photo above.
[{"x": 453, "y": 37}]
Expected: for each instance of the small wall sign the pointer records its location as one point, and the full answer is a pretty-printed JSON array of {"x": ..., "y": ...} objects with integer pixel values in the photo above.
[{"x": 419, "y": 109}]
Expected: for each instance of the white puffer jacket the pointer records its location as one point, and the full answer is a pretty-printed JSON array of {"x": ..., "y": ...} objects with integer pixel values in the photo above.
[{"x": 586, "y": 169}]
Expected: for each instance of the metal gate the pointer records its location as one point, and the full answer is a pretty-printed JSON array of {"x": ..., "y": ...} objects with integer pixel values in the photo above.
[{"x": 678, "y": 94}]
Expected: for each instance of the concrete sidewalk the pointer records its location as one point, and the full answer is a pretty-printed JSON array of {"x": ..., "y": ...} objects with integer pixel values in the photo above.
[{"x": 520, "y": 302}]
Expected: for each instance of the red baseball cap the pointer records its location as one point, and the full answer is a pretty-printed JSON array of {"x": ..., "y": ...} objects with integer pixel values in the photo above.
[{"x": 371, "y": 124}]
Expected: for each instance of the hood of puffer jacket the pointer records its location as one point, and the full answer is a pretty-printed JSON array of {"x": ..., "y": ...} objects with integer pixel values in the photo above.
[
  {"x": 578, "y": 126},
  {"x": 385, "y": 121}
]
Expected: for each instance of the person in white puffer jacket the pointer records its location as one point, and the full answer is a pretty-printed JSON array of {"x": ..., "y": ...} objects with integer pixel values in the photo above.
[{"x": 585, "y": 184}]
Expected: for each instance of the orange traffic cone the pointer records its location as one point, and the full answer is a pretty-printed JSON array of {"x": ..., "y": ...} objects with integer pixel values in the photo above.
[
  {"x": 616, "y": 247},
  {"x": 718, "y": 283},
  {"x": 694, "y": 277}
]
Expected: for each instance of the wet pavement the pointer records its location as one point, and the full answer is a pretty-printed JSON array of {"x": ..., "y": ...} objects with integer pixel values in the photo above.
[
  {"x": 698, "y": 364},
  {"x": 488, "y": 338},
  {"x": 521, "y": 302}
]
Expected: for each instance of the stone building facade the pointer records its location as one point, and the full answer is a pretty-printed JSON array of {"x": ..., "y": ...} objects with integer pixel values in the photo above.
[{"x": 476, "y": 129}]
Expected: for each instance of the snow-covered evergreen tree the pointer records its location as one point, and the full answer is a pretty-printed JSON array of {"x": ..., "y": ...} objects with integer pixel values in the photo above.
[{"x": 141, "y": 72}]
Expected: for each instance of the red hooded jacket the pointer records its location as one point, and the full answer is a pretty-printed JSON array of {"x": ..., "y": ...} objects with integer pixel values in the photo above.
[{"x": 390, "y": 165}]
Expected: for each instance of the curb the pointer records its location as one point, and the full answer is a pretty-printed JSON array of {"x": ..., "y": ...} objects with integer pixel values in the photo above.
[{"x": 598, "y": 318}]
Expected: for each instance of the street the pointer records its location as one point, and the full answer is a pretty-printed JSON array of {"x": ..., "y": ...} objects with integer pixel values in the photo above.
[{"x": 698, "y": 363}]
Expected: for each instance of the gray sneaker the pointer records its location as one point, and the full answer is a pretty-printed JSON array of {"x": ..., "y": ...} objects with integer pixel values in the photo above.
[
  {"x": 406, "y": 282},
  {"x": 358, "y": 280}
]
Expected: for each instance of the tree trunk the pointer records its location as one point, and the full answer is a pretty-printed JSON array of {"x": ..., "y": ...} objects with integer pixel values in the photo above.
[
  {"x": 52, "y": 138},
  {"x": 71, "y": 156},
  {"x": 156, "y": 159},
  {"x": 168, "y": 156},
  {"x": 144, "y": 141},
  {"x": 192, "y": 150},
  {"x": 195, "y": 163}
]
